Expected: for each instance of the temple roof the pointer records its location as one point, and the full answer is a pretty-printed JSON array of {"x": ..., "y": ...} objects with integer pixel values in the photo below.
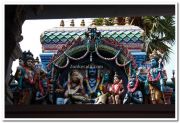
[{"x": 61, "y": 35}]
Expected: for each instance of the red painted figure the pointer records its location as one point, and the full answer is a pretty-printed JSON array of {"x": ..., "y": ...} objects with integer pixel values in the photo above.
[{"x": 117, "y": 90}]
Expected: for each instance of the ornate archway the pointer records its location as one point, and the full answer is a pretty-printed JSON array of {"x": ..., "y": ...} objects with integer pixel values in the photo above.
[{"x": 108, "y": 48}]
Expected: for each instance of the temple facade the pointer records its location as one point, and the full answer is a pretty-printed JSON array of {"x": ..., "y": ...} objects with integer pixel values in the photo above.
[{"x": 92, "y": 65}]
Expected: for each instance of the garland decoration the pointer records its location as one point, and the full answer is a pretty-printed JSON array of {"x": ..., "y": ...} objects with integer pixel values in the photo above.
[
  {"x": 76, "y": 59},
  {"x": 134, "y": 88},
  {"x": 121, "y": 65},
  {"x": 67, "y": 63},
  {"x": 104, "y": 58},
  {"x": 150, "y": 78}
]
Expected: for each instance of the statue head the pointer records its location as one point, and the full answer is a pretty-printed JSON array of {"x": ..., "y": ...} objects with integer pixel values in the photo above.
[
  {"x": 92, "y": 71},
  {"x": 154, "y": 58},
  {"x": 21, "y": 62},
  {"x": 116, "y": 78},
  {"x": 132, "y": 82},
  {"x": 28, "y": 59},
  {"x": 76, "y": 77},
  {"x": 106, "y": 76}
]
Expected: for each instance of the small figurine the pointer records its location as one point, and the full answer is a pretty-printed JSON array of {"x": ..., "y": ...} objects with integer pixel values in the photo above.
[
  {"x": 133, "y": 95},
  {"x": 117, "y": 90},
  {"x": 92, "y": 81},
  {"x": 25, "y": 77},
  {"x": 75, "y": 89},
  {"x": 105, "y": 87},
  {"x": 143, "y": 83},
  {"x": 156, "y": 78}
]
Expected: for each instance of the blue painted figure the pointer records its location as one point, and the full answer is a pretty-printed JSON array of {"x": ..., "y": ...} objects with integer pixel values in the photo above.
[
  {"x": 92, "y": 81},
  {"x": 105, "y": 86},
  {"x": 156, "y": 79},
  {"x": 133, "y": 95}
]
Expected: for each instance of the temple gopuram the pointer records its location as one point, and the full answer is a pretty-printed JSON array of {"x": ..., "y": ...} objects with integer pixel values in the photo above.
[{"x": 95, "y": 65}]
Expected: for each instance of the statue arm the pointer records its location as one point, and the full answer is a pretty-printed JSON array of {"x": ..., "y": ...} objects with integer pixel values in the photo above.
[
  {"x": 162, "y": 84},
  {"x": 126, "y": 98},
  {"x": 121, "y": 90},
  {"x": 139, "y": 98},
  {"x": 19, "y": 76}
]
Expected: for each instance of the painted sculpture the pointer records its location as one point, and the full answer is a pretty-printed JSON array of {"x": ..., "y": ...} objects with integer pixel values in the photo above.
[
  {"x": 92, "y": 81},
  {"x": 25, "y": 77},
  {"x": 117, "y": 90},
  {"x": 155, "y": 79},
  {"x": 75, "y": 89},
  {"x": 105, "y": 85},
  {"x": 119, "y": 49},
  {"x": 133, "y": 95}
]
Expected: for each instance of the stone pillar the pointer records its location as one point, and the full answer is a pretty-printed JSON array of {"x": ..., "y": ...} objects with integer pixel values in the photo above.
[
  {"x": 14, "y": 18},
  {"x": 16, "y": 53}
]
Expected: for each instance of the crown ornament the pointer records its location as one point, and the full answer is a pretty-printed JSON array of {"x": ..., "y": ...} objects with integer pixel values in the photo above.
[
  {"x": 27, "y": 55},
  {"x": 116, "y": 75},
  {"x": 155, "y": 55}
]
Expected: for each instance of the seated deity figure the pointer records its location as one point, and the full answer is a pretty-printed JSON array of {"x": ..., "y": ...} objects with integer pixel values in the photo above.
[
  {"x": 105, "y": 88},
  {"x": 117, "y": 90},
  {"x": 156, "y": 78},
  {"x": 25, "y": 77},
  {"x": 143, "y": 83},
  {"x": 92, "y": 81},
  {"x": 133, "y": 95},
  {"x": 75, "y": 89}
]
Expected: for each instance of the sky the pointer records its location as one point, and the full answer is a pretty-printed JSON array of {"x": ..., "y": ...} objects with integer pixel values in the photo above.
[{"x": 32, "y": 29}]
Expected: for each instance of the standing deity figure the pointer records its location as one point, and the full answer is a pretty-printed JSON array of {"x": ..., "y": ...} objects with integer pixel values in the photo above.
[
  {"x": 41, "y": 86},
  {"x": 117, "y": 90},
  {"x": 133, "y": 95},
  {"x": 92, "y": 81},
  {"x": 25, "y": 77},
  {"x": 156, "y": 78},
  {"x": 75, "y": 89}
]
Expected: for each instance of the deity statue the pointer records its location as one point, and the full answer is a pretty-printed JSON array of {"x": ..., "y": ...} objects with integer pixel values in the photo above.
[
  {"x": 105, "y": 87},
  {"x": 133, "y": 95},
  {"x": 92, "y": 81},
  {"x": 75, "y": 89},
  {"x": 117, "y": 90},
  {"x": 143, "y": 83},
  {"x": 41, "y": 86},
  {"x": 25, "y": 77},
  {"x": 156, "y": 78}
]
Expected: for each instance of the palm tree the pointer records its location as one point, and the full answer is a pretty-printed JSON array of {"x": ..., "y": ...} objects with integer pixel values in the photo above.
[
  {"x": 159, "y": 31},
  {"x": 159, "y": 34}
]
